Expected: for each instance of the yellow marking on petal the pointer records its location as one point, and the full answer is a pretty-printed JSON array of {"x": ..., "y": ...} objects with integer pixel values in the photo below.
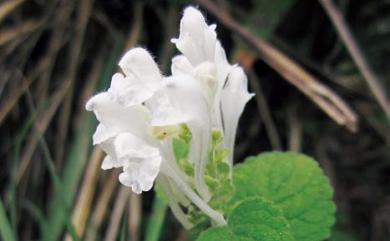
[{"x": 162, "y": 132}]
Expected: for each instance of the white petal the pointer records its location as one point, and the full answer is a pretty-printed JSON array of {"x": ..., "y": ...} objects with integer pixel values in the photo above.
[
  {"x": 103, "y": 133},
  {"x": 185, "y": 96},
  {"x": 141, "y": 81},
  {"x": 109, "y": 163},
  {"x": 181, "y": 65},
  {"x": 137, "y": 62},
  {"x": 237, "y": 81},
  {"x": 111, "y": 160},
  {"x": 133, "y": 119},
  {"x": 233, "y": 100},
  {"x": 192, "y": 50},
  {"x": 127, "y": 145},
  {"x": 130, "y": 91},
  {"x": 180, "y": 100},
  {"x": 118, "y": 83},
  {"x": 196, "y": 40},
  {"x": 199, "y": 149},
  {"x": 223, "y": 66},
  {"x": 163, "y": 112},
  {"x": 140, "y": 174},
  {"x": 206, "y": 74},
  {"x": 96, "y": 99},
  {"x": 141, "y": 162}
]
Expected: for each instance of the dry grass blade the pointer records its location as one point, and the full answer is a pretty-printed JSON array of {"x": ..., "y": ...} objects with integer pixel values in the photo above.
[
  {"x": 170, "y": 19},
  {"x": 265, "y": 112},
  {"x": 10, "y": 34},
  {"x": 83, "y": 13},
  {"x": 134, "y": 216},
  {"x": 320, "y": 94},
  {"x": 136, "y": 27},
  {"x": 58, "y": 31},
  {"x": 40, "y": 127},
  {"x": 295, "y": 126},
  {"x": 42, "y": 123},
  {"x": 109, "y": 187},
  {"x": 83, "y": 206},
  {"x": 357, "y": 55},
  {"x": 93, "y": 79},
  {"x": 116, "y": 215},
  {"x": 13, "y": 97},
  {"x": 7, "y": 7},
  {"x": 101, "y": 206}
]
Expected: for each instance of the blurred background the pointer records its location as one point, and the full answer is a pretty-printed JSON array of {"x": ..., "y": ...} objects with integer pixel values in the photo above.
[{"x": 320, "y": 71}]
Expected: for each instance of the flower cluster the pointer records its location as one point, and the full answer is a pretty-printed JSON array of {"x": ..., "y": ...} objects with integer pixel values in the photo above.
[{"x": 143, "y": 111}]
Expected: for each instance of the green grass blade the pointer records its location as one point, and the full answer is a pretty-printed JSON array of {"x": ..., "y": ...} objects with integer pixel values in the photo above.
[
  {"x": 38, "y": 216},
  {"x": 122, "y": 236},
  {"x": 59, "y": 214},
  {"x": 156, "y": 221},
  {"x": 60, "y": 192},
  {"x": 5, "y": 226},
  {"x": 17, "y": 144}
]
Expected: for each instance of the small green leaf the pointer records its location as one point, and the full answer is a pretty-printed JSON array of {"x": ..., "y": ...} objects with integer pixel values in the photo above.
[
  {"x": 260, "y": 220},
  {"x": 252, "y": 220},
  {"x": 296, "y": 184},
  {"x": 220, "y": 234},
  {"x": 180, "y": 148}
]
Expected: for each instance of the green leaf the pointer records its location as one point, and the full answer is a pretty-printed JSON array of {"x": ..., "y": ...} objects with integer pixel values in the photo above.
[
  {"x": 260, "y": 220},
  {"x": 220, "y": 234},
  {"x": 252, "y": 220},
  {"x": 296, "y": 184},
  {"x": 217, "y": 234}
]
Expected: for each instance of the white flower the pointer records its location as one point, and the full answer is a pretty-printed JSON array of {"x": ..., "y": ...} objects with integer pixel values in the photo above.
[
  {"x": 180, "y": 100},
  {"x": 123, "y": 135},
  {"x": 234, "y": 97},
  {"x": 223, "y": 85},
  {"x": 138, "y": 118},
  {"x": 142, "y": 112}
]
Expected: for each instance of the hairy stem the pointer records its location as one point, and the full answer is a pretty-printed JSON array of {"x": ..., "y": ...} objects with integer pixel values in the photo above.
[
  {"x": 199, "y": 202},
  {"x": 173, "y": 204}
]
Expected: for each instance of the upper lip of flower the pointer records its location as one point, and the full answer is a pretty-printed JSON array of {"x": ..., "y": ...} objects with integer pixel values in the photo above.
[{"x": 141, "y": 80}]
